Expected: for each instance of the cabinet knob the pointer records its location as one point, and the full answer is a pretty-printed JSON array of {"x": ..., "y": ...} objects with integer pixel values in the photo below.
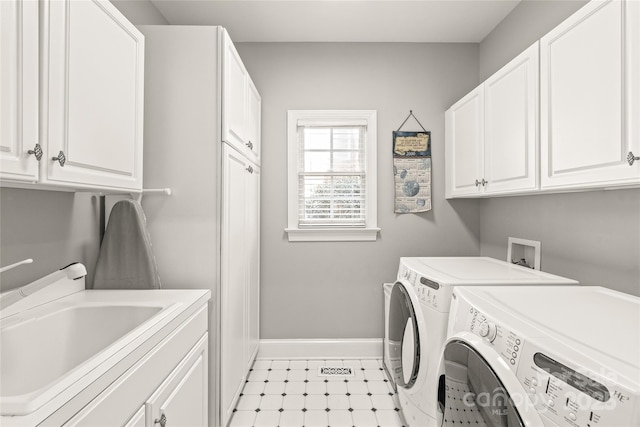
[
  {"x": 62, "y": 159},
  {"x": 162, "y": 421},
  {"x": 249, "y": 169},
  {"x": 484, "y": 183},
  {"x": 631, "y": 158},
  {"x": 250, "y": 145},
  {"x": 477, "y": 183},
  {"x": 37, "y": 151}
]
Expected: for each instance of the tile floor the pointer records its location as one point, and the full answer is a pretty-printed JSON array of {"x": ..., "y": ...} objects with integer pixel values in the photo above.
[{"x": 291, "y": 393}]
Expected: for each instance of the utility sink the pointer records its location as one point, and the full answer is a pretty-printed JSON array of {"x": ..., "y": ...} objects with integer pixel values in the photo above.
[
  {"x": 66, "y": 344},
  {"x": 37, "y": 351}
]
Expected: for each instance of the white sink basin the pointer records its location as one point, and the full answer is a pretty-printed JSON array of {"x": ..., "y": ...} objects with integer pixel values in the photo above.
[{"x": 35, "y": 352}]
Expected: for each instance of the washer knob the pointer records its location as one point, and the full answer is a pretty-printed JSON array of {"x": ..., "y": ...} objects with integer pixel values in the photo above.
[{"x": 488, "y": 331}]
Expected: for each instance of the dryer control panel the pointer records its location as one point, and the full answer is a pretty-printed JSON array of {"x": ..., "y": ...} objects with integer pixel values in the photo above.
[{"x": 553, "y": 383}]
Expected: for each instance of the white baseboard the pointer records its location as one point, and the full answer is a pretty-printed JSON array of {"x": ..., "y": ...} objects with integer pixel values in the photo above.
[{"x": 364, "y": 348}]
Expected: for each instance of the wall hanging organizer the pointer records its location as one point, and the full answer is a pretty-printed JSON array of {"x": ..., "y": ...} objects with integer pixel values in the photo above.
[{"x": 412, "y": 169}]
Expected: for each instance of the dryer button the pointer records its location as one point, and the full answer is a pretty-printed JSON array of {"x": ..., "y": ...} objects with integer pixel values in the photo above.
[
  {"x": 551, "y": 403},
  {"x": 532, "y": 391},
  {"x": 572, "y": 416},
  {"x": 534, "y": 382}
]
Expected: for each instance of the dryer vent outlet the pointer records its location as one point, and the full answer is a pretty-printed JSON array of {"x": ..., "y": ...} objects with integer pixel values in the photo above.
[{"x": 524, "y": 252}]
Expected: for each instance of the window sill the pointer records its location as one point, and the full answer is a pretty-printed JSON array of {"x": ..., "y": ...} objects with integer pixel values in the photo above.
[{"x": 332, "y": 235}]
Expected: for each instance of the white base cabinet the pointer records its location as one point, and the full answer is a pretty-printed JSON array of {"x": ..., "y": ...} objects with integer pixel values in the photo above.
[
  {"x": 170, "y": 380},
  {"x": 182, "y": 399},
  {"x": 590, "y": 105},
  {"x": 90, "y": 79}
]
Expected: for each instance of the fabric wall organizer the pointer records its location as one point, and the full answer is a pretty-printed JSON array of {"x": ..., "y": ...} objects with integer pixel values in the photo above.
[{"x": 412, "y": 169}]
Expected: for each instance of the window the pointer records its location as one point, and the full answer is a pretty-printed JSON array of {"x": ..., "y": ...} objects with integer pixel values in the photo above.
[{"x": 332, "y": 175}]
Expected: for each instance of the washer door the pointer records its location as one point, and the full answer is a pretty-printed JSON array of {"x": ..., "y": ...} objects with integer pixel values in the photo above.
[
  {"x": 473, "y": 393},
  {"x": 404, "y": 337}
]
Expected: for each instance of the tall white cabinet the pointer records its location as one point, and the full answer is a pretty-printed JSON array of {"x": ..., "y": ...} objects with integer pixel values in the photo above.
[
  {"x": 202, "y": 110},
  {"x": 71, "y": 113}
]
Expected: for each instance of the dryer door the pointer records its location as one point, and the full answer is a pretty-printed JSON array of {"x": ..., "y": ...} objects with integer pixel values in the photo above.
[
  {"x": 473, "y": 393},
  {"x": 404, "y": 337}
]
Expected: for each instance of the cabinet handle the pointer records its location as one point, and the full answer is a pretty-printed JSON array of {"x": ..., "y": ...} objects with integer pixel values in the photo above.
[
  {"x": 37, "y": 151},
  {"x": 250, "y": 145},
  {"x": 477, "y": 183},
  {"x": 249, "y": 169},
  {"x": 484, "y": 183},
  {"x": 631, "y": 158},
  {"x": 61, "y": 158},
  {"x": 162, "y": 421}
]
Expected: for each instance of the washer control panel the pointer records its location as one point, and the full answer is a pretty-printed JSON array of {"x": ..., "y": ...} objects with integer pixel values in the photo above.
[
  {"x": 555, "y": 386},
  {"x": 507, "y": 343},
  {"x": 574, "y": 396}
]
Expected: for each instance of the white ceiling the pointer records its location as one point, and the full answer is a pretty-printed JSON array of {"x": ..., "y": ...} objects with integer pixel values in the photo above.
[{"x": 343, "y": 20}]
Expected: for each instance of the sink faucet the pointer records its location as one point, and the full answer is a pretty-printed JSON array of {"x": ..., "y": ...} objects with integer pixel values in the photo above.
[{"x": 73, "y": 271}]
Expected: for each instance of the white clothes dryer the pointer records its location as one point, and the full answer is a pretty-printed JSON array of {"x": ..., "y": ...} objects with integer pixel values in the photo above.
[
  {"x": 418, "y": 317},
  {"x": 527, "y": 356}
]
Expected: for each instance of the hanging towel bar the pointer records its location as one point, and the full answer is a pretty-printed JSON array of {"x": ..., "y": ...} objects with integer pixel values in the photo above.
[{"x": 135, "y": 196}]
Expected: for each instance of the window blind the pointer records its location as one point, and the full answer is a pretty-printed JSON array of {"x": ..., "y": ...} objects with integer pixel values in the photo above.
[{"x": 331, "y": 175}]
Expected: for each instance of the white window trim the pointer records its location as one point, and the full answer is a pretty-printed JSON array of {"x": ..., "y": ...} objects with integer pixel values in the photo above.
[{"x": 370, "y": 233}]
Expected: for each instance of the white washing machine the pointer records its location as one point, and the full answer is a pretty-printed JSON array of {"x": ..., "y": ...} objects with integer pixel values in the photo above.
[
  {"x": 529, "y": 356},
  {"x": 418, "y": 316}
]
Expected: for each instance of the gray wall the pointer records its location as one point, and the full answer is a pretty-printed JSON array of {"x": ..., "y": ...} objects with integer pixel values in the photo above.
[
  {"x": 594, "y": 236},
  {"x": 329, "y": 289},
  {"x": 140, "y": 12},
  {"x": 526, "y": 23},
  {"x": 55, "y": 228}
]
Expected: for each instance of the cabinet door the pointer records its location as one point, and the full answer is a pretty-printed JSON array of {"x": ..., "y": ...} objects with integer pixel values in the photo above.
[
  {"x": 254, "y": 105},
  {"x": 95, "y": 96},
  {"x": 234, "y": 96},
  {"x": 234, "y": 264},
  {"x": 138, "y": 420},
  {"x": 18, "y": 89},
  {"x": 182, "y": 398},
  {"x": 464, "y": 145},
  {"x": 511, "y": 123},
  {"x": 589, "y": 91},
  {"x": 253, "y": 265}
]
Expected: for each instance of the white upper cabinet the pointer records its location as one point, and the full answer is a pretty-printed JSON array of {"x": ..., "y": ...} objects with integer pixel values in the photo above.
[
  {"x": 254, "y": 106},
  {"x": 491, "y": 133},
  {"x": 240, "y": 104},
  {"x": 234, "y": 95},
  {"x": 590, "y": 98},
  {"x": 511, "y": 126},
  {"x": 19, "y": 90},
  {"x": 464, "y": 144},
  {"x": 94, "y": 102}
]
